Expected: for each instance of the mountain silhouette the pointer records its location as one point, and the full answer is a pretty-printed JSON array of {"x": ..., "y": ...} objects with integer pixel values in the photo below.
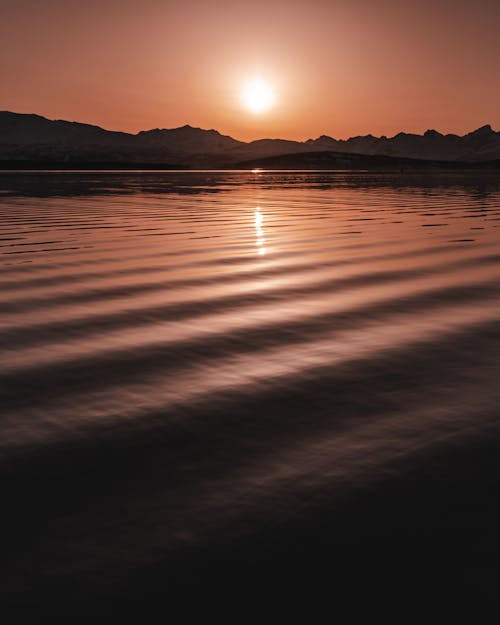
[
  {"x": 33, "y": 138},
  {"x": 187, "y": 141}
]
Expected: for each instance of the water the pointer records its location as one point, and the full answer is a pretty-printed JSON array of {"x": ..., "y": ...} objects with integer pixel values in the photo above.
[{"x": 218, "y": 374}]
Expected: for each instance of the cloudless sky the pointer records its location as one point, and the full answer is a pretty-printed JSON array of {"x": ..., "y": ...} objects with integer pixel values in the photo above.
[{"x": 340, "y": 68}]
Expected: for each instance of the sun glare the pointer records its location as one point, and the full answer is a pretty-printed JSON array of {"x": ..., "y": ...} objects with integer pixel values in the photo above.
[{"x": 258, "y": 96}]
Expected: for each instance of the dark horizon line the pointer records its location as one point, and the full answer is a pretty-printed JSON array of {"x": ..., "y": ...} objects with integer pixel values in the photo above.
[{"x": 380, "y": 164}]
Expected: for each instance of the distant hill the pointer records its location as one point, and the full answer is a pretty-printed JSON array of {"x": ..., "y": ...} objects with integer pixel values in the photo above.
[
  {"x": 481, "y": 145},
  {"x": 343, "y": 160},
  {"x": 35, "y": 139}
]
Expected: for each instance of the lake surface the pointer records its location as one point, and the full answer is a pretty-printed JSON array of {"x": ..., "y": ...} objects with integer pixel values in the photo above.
[{"x": 233, "y": 378}]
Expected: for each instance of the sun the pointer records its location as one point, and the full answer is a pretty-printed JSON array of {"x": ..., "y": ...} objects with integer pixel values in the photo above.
[{"x": 258, "y": 96}]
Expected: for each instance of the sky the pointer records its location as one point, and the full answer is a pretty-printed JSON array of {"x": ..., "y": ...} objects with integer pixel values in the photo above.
[{"x": 341, "y": 68}]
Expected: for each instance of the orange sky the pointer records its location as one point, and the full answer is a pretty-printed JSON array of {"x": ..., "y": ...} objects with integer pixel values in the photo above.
[{"x": 339, "y": 67}]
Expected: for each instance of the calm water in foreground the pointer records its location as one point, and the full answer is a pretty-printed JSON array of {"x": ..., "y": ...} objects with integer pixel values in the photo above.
[{"x": 220, "y": 380}]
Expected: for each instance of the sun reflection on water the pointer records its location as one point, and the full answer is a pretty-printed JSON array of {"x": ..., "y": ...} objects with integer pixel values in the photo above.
[{"x": 259, "y": 232}]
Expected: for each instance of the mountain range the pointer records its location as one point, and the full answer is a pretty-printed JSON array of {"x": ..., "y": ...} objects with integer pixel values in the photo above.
[{"x": 29, "y": 138}]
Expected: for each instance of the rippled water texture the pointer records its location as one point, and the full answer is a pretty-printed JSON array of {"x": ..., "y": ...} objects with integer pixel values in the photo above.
[{"x": 232, "y": 363}]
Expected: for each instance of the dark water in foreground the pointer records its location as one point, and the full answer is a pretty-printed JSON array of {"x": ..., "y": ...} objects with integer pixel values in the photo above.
[{"x": 254, "y": 383}]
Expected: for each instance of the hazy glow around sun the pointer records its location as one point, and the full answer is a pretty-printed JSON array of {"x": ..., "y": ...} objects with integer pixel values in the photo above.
[{"x": 258, "y": 96}]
